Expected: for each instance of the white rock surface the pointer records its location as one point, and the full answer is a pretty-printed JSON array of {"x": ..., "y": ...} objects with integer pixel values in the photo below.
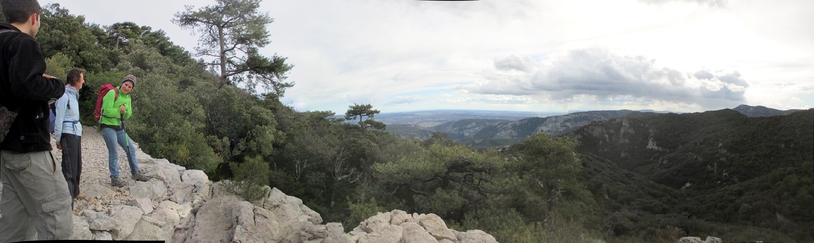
[{"x": 180, "y": 205}]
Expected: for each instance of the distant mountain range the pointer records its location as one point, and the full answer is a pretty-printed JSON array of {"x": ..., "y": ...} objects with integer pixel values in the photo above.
[
  {"x": 484, "y": 129},
  {"x": 761, "y": 111},
  {"x": 431, "y": 118}
]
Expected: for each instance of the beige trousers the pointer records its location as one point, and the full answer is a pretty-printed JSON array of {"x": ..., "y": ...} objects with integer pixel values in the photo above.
[{"x": 34, "y": 194}]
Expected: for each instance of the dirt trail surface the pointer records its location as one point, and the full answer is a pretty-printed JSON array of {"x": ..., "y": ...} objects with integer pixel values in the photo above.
[{"x": 94, "y": 186}]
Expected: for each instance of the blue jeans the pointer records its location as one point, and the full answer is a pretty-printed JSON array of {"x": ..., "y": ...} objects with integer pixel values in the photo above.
[{"x": 112, "y": 137}]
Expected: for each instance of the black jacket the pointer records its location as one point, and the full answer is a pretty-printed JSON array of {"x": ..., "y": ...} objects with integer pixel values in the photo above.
[{"x": 23, "y": 89}]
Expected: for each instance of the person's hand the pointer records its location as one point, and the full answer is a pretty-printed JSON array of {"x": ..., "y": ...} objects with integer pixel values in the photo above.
[
  {"x": 122, "y": 109},
  {"x": 47, "y": 76},
  {"x": 59, "y": 145}
]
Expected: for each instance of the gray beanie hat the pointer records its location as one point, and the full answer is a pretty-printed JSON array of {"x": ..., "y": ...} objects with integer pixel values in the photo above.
[{"x": 130, "y": 78}]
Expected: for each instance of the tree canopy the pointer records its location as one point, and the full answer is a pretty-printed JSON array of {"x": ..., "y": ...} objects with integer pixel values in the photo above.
[
  {"x": 232, "y": 33},
  {"x": 365, "y": 114}
]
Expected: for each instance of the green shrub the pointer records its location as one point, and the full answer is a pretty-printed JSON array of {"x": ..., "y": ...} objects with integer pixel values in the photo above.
[{"x": 250, "y": 178}]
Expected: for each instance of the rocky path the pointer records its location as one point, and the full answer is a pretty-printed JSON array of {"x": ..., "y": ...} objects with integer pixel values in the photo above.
[
  {"x": 96, "y": 192},
  {"x": 94, "y": 186},
  {"x": 95, "y": 189}
]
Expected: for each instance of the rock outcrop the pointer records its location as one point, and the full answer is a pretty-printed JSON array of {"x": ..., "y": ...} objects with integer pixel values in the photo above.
[
  {"x": 690, "y": 239},
  {"x": 398, "y": 226},
  {"x": 180, "y": 205}
]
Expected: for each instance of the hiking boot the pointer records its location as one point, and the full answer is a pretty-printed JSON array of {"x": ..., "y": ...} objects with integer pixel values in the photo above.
[
  {"x": 117, "y": 182},
  {"x": 140, "y": 177}
]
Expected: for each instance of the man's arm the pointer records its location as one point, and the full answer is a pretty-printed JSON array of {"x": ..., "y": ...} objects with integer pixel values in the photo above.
[{"x": 27, "y": 68}]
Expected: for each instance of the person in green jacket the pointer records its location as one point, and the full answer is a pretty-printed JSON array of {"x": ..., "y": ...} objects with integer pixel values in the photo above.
[{"x": 114, "y": 112}]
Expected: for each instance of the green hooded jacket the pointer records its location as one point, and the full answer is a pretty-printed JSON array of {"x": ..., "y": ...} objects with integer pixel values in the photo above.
[{"x": 110, "y": 108}]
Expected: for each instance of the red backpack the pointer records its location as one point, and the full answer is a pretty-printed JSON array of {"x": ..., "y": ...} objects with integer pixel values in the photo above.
[{"x": 97, "y": 112}]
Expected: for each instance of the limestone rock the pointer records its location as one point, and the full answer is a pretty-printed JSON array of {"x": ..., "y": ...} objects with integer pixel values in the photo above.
[
  {"x": 285, "y": 206},
  {"x": 336, "y": 234},
  {"x": 167, "y": 212},
  {"x": 153, "y": 221},
  {"x": 711, "y": 239},
  {"x": 474, "y": 236},
  {"x": 125, "y": 219},
  {"x": 436, "y": 227},
  {"x": 163, "y": 170},
  {"x": 690, "y": 240},
  {"x": 413, "y": 232},
  {"x": 253, "y": 224},
  {"x": 81, "y": 229},
  {"x": 356, "y": 234},
  {"x": 146, "y": 231},
  {"x": 303, "y": 231},
  {"x": 201, "y": 190},
  {"x": 97, "y": 190},
  {"x": 213, "y": 221},
  {"x": 195, "y": 177},
  {"x": 145, "y": 204},
  {"x": 376, "y": 223},
  {"x": 152, "y": 189},
  {"x": 99, "y": 221},
  {"x": 384, "y": 234},
  {"x": 180, "y": 192},
  {"x": 102, "y": 235},
  {"x": 399, "y": 217}
]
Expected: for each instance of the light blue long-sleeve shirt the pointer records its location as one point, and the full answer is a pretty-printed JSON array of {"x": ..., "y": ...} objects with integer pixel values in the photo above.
[{"x": 67, "y": 114}]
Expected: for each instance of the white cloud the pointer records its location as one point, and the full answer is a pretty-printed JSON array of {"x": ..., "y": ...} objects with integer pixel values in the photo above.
[
  {"x": 712, "y": 3},
  {"x": 597, "y": 72},
  {"x": 514, "y": 63},
  {"x": 405, "y": 100},
  {"x": 682, "y": 55}
]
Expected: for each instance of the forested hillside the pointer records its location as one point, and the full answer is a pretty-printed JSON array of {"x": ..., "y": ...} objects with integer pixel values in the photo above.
[{"x": 717, "y": 166}]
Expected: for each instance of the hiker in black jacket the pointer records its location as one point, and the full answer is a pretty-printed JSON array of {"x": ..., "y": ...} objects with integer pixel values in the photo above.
[{"x": 34, "y": 191}]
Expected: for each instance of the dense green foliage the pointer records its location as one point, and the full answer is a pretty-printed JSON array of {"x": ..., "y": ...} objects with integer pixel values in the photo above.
[
  {"x": 511, "y": 194},
  {"x": 750, "y": 177},
  {"x": 702, "y": 171},
  {"x": 253, "y": 174}
]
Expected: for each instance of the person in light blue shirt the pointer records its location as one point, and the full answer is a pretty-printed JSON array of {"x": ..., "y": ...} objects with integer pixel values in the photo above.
[{"x": 68, "y": 130}]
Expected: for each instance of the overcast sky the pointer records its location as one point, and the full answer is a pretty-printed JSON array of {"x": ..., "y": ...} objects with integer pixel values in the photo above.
[{"x": 523, "y": 55}]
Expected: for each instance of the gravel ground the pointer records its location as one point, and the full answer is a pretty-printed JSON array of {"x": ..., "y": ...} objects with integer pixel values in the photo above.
[
  {"x": 95, "y": 190},
  {"x": 94, "y": 185},
  {"x": 94, "y": 158}
]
